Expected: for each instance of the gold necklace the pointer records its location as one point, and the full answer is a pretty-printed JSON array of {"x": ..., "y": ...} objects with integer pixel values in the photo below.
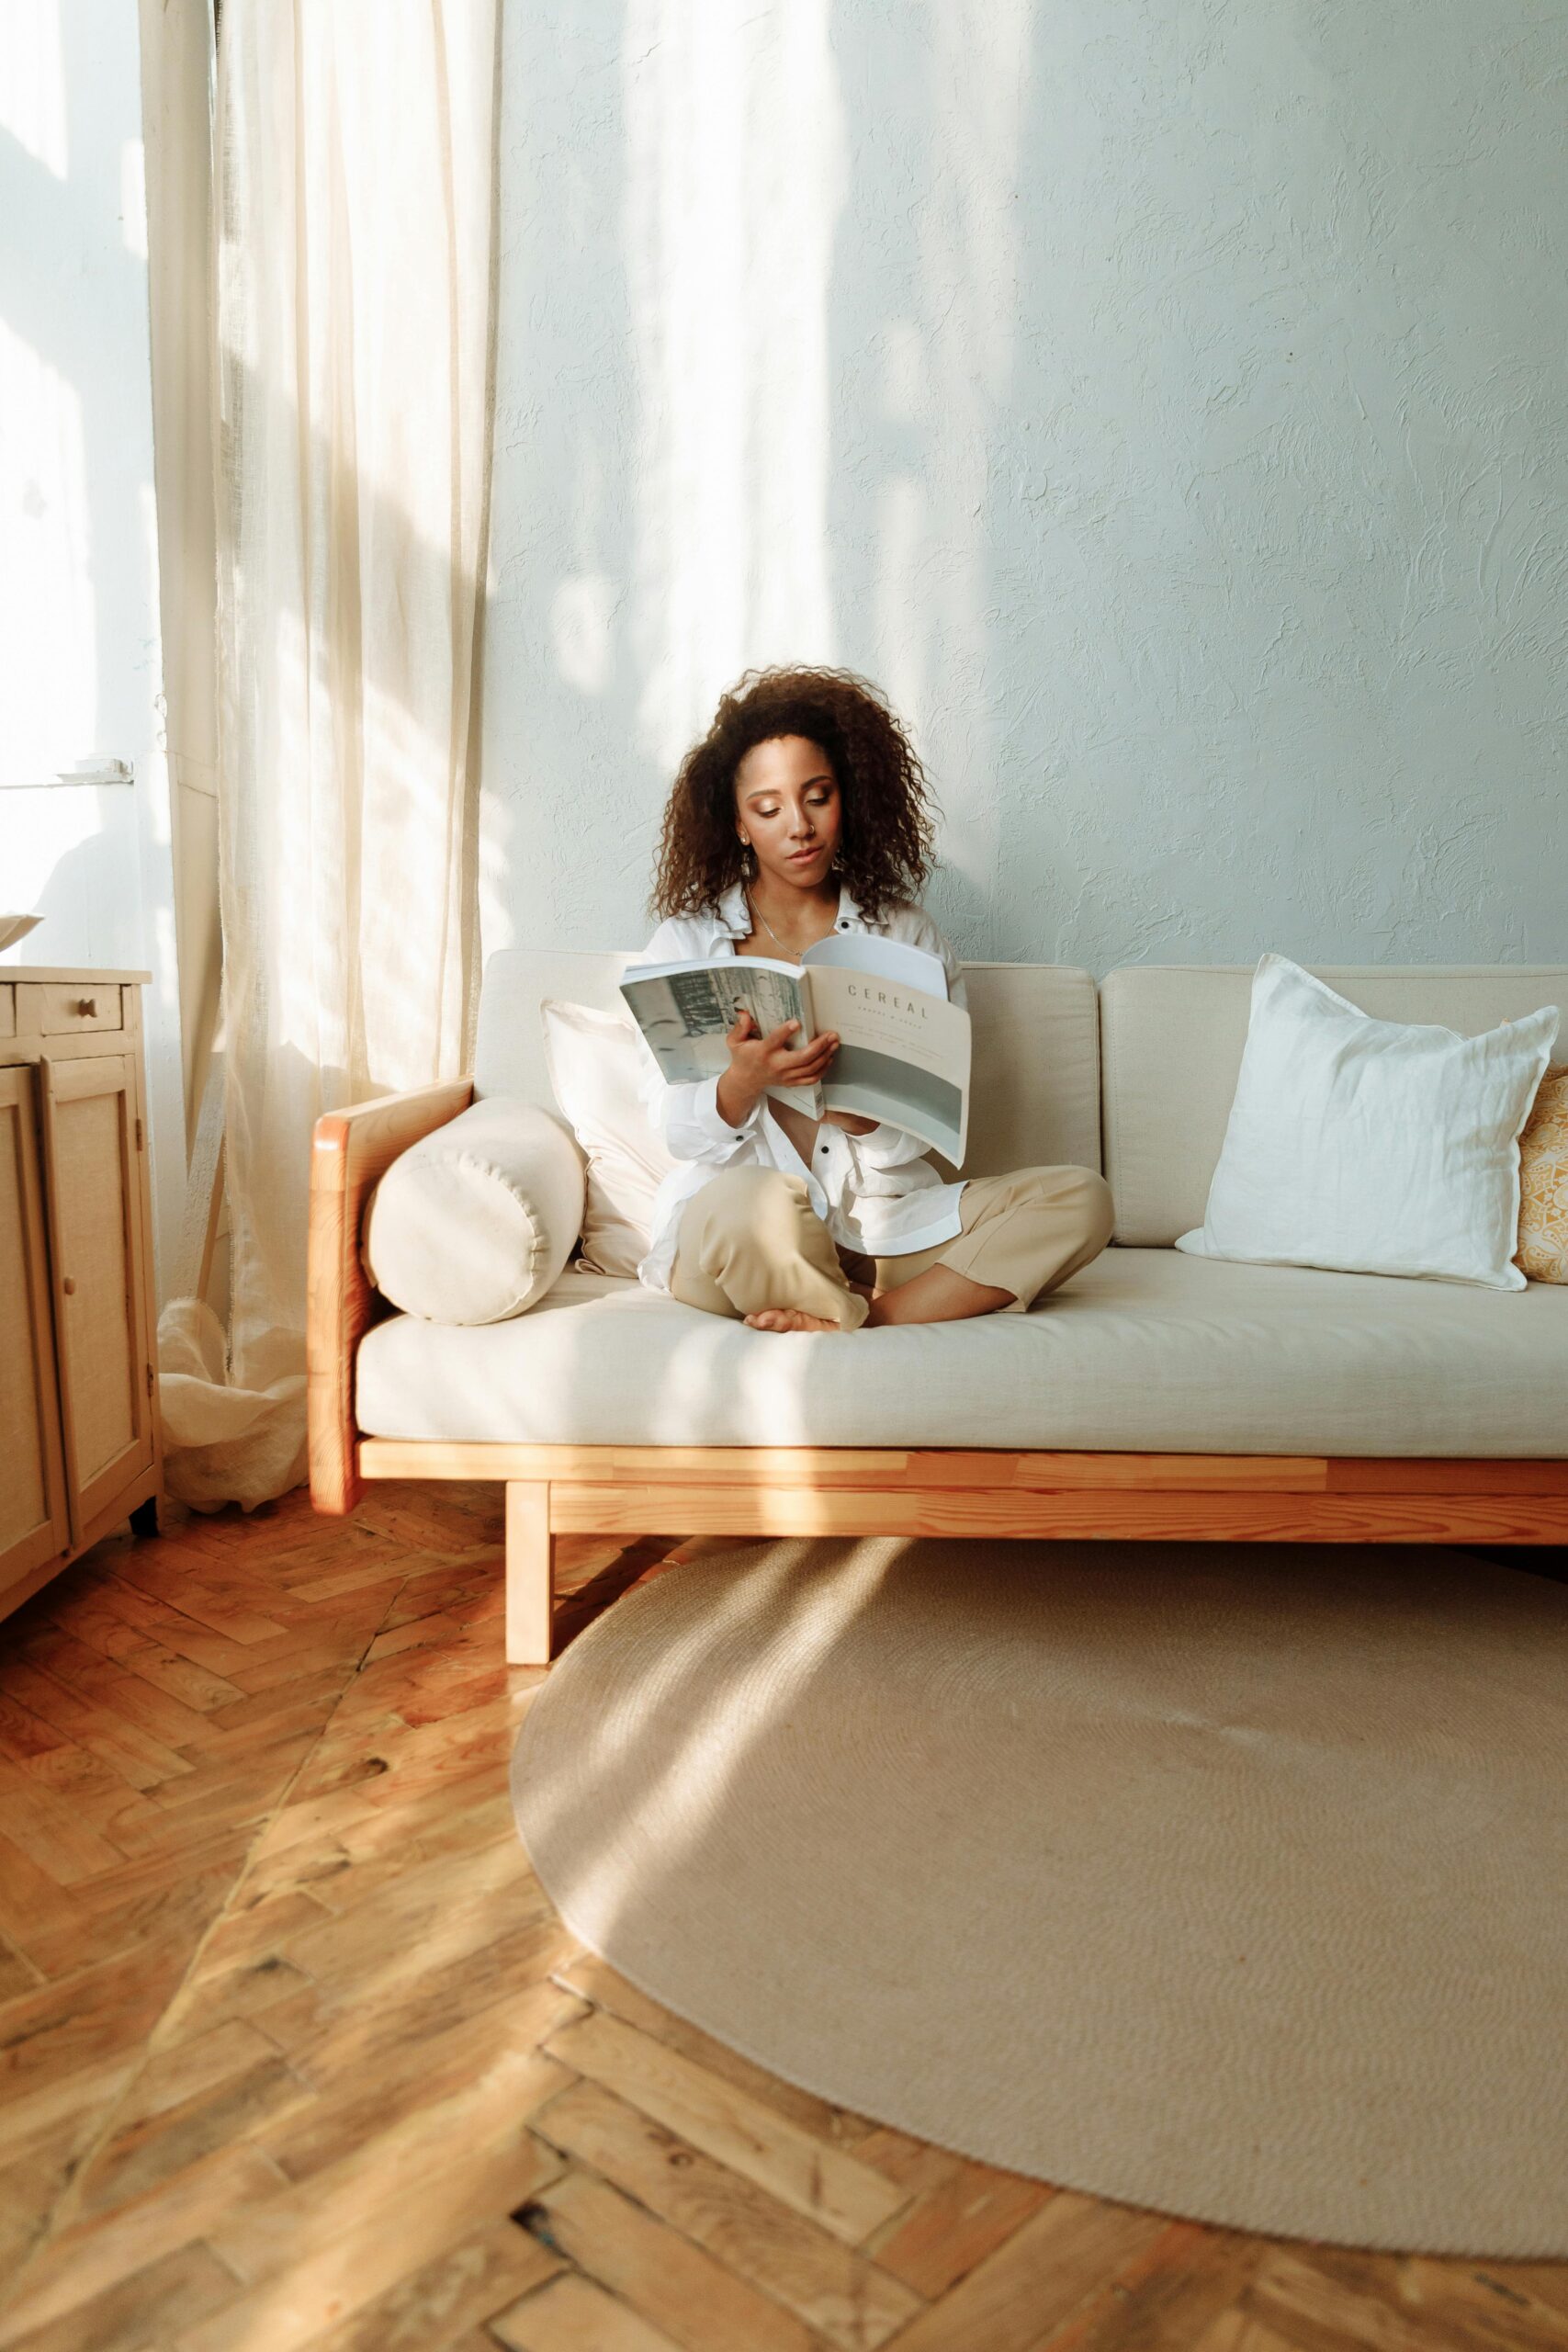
[{"x": 793, "y": 953}]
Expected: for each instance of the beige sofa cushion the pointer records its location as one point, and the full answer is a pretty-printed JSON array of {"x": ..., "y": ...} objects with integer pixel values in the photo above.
[
  {"x": 473, "y": 1223},
  {"x": 1036, "y": 1081},
  {"x": 1142, "y": 1350},
  {"x": 594, "y": 1063},
  {"x": 1171, "y": 1039},
  {"x": 1373, "y": 1147}
]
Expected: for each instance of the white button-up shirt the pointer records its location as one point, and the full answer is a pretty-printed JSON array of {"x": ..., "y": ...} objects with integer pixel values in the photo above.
[{"x": 876, "y": 1193}]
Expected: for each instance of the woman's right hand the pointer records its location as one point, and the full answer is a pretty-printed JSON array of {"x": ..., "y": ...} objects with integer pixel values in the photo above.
[{"x": 757, "y": 1062}]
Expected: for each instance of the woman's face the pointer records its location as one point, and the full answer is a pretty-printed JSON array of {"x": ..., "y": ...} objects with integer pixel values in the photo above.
[{"x": 787, "y": 806}]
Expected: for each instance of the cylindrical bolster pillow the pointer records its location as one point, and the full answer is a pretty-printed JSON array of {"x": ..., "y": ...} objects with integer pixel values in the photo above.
[{"x": 475, "y": 1221}]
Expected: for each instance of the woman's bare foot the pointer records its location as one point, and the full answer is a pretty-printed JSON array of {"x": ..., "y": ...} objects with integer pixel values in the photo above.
[{"x": 790, "y": 1318}]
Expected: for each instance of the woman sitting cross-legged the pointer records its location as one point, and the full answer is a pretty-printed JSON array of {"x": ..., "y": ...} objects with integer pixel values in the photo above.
[{"x": 804, "y": 810}]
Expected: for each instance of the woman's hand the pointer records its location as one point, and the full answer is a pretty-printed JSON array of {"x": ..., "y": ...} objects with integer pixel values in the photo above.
[{"x": 757, "y": 1062}]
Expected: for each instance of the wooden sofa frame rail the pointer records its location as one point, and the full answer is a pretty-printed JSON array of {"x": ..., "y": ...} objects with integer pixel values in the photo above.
[{"x": 831, "y": 1490}]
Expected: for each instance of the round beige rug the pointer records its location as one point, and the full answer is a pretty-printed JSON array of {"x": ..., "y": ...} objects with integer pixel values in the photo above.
[{"x": 1230, "y": 1880}]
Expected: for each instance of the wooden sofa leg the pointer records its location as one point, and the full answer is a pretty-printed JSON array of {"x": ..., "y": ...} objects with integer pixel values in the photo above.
[{"x": 530, "y": 1573}]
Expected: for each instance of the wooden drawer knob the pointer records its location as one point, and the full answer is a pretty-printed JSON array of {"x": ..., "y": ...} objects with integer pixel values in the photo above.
[
  {"x": 88, "y": 1004},
  {"x": 69, "y": 1282}
]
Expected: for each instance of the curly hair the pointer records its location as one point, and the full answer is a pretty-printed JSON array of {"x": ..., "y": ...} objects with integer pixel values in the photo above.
[{"x": 886, "y": 848}]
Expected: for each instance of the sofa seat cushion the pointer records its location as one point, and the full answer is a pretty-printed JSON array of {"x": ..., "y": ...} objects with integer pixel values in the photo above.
[{"x": 1141, "y": 1351}]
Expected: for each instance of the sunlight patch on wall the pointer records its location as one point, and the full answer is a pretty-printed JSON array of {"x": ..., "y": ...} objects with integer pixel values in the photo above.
[
  {"x": 737, "y": 173},
  {"x": 901, "y": 526},
  {"x": 33, "y": 85},
  {"x": 582, "y": 613},
  {"x": 938, "y": 651},
  {"x": 133, "y": 198},
  {"x": 41, "y": 829},
  {"x": 500, "y": 851},
  {"x": 48, "y": 626},
  {"x": 155, "y": 787}
]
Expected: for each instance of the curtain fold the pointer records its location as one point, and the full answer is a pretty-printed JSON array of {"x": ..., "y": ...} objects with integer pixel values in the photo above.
[{"x": 354, "y": 171}]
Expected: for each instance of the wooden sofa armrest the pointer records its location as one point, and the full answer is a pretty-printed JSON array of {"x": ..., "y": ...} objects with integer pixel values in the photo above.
[{"x": 349, "y": 1150}]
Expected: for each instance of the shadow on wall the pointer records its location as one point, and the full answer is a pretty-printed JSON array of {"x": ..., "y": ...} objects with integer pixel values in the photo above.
[{"x": 89, "y": 901}]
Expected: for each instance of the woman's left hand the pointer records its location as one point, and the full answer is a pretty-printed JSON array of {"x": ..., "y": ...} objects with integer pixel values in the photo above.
[{"x": 848, "y": 1121}]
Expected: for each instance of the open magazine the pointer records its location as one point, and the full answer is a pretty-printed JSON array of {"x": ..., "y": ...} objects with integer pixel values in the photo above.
[{"x": 903, "y": 1047}]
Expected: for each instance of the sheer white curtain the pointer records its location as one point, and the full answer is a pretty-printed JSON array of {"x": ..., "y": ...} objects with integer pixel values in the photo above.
[{"x": 355, "y": 170}]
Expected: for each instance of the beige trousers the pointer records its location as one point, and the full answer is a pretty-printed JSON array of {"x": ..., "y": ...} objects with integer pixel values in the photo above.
[{"x": 752, "y": 1239}]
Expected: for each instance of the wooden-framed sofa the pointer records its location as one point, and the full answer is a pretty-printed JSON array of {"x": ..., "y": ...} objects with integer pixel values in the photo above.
[{"x": 1154, "y": 1395}]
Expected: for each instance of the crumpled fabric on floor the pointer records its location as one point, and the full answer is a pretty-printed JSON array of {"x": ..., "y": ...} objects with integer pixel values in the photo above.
[{"x": 223, "y": 1444}]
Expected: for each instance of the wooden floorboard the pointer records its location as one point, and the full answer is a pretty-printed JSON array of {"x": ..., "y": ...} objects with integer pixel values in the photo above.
[{"x": 296, "y": 2055}]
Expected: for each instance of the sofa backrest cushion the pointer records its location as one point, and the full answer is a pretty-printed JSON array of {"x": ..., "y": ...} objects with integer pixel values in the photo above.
[
  {"x": 1171, "y": 1038},
  {"x": 1034, "y": 1096},
  {"x": 509, "y": 1051}
]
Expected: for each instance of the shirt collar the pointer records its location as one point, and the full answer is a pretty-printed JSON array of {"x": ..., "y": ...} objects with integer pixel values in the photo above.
[
  {"x": 849, "y": 917},
  {"x": 735, "y": 916}
]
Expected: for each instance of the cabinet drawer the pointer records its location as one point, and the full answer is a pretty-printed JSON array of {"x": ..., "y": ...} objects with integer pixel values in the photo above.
[
  {"x": 67, "y": 1008},
  {"x": 7, "y": 1009}
]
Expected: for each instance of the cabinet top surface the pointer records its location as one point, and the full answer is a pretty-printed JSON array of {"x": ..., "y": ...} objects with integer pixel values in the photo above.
[{"x": 50, "y": 972}]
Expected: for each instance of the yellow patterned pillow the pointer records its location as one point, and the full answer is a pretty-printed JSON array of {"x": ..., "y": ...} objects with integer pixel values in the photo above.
[{"x": 1542, "y": 1253}]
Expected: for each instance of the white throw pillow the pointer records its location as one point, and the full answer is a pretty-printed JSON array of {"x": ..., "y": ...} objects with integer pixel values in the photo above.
[
  {"x": 474, "y": 1222},
  {"x": 1372, "y": 1146},
  {"x": 595, "y": 1062}
]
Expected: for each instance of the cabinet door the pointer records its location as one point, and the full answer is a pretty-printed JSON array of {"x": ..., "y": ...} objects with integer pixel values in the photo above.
[
  {"x": 92, "y": 1143},
  {"x": 35, "y": 1526}
]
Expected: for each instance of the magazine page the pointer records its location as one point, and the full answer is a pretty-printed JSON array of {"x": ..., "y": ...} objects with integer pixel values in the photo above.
[
  {"x": 717, "y": 964},
  {"x": 886, "y": 960},
  {"x": 686, "y": 1012},
  {"x": 903, "y": 1055}
]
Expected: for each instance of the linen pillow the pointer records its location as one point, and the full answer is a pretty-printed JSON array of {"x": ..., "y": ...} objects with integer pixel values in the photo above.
[
  {"x": 1372, "y": 1146},
  {"x": 1542, "y": 1253},
  {"x": 476, "y": 1220},
  {"x": 595, "y": 1062}
]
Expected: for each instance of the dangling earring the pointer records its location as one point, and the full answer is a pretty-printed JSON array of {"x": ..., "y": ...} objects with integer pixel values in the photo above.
[{"x": 748, "y": 860}]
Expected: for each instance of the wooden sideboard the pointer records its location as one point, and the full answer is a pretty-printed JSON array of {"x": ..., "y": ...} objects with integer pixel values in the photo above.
[{"x": 81, "y": 1446}]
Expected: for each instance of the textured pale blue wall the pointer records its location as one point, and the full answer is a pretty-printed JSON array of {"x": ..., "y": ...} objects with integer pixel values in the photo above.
[{"x": 1163, "y": 400}]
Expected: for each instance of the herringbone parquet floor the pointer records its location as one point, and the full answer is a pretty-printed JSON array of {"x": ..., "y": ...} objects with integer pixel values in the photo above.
[{"x": 296, "y": 2053}]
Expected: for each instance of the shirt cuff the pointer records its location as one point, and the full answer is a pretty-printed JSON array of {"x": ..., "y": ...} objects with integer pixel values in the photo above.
[{"x": 711, "y": 1119}]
